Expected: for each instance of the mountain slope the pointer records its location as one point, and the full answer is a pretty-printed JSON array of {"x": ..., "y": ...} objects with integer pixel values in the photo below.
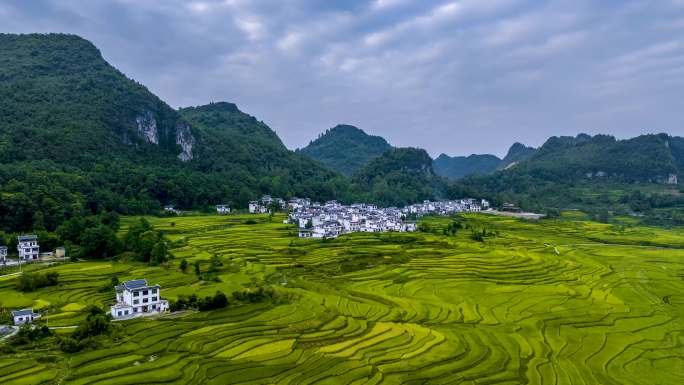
[
  {"x": 78, "y": 137},
  {"x": 592, "y": 173},
  {"x": 646, "y": 158},
  {"x": 399, "y": 176},
  {"x": 345, "y": 148},
  {"x": 62, "y": 101},
  {"x": 459, "y": 166},
  {"x": 516, "y": 154}
]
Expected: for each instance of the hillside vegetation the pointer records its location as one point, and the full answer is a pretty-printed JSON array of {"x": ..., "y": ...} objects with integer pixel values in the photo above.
[
  {"x": 345, "y": 148},
  {"x": 77, "y": 137}
]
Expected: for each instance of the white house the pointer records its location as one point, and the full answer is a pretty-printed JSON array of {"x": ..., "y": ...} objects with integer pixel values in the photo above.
[
  {"x": 24, "y": 316},
  {"x": 136, "y": 298},
  {"x": 3, "y": 254},
  {"x": 27, "y": 247},
  {"x": 256, "y": 208},
  {"x": 171, "y": 210},
  {"x": 222, "y": 209}
]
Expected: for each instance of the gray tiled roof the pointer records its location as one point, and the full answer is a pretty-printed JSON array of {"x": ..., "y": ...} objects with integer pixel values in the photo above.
[
  {"x": 135, "y": 284},
  {"x": 29, "y": 237},
  {"x": 22, "y": 312}
]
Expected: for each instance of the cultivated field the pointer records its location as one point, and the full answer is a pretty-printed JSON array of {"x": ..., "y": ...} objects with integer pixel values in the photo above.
[{"x": 554, "y": 302}]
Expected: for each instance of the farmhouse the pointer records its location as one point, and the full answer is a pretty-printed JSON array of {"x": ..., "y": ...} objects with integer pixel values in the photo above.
[
  {"x": 3, "y": 254},
  {"x": 222, "y": 209},
  {"x": 24, "y": 316},
  {"x": 27, "y": 246},
  {"x": 171, "y": 210},
  {"x": 136, "y": 298}
]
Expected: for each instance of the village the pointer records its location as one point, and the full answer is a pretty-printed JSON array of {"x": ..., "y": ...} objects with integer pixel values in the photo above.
[
  {"x": 137, "y": 298},
  {"x": 332, "y": 219}
]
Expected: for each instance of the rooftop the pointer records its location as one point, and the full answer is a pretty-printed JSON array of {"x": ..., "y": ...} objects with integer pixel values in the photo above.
[
  {"x": 28, "y": 237},
  {"x": 22, "y": 312},
  {"x": 133, "y": 285}
]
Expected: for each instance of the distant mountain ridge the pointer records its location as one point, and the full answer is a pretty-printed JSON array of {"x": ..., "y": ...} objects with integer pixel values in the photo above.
[
  {"x": 345, "y": 148},
  {"x": 460, "y": 166}
]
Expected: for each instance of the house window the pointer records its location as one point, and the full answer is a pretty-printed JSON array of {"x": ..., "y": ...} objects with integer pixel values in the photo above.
[
  {"x": 144, "y": 292},
  {"x": 135, "y": 310},
  {"x": 21, "y": 318},
  {"x": 154, "y": 291},
  {"x": 119, "y": 314},
  {"x": 136, "y": 293},
  {"x": 136, "y": 301},
  {"x": 154, "y": 298},
  {"x": 125, "y": 312},
  {"x": 145, "y": 300}
]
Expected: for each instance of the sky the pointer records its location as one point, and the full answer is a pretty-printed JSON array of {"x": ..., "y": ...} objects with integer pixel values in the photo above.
[{"x": 451, "y": 76}]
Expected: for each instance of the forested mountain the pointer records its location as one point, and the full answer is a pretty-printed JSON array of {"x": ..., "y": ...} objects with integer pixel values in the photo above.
[
  {"x": 646, "y": 158},
  {"x": 600, "y": 171},
  {"x": 345, "y": 148},
  {"x": 400, "y": 176},
  {"x": 517, "y": 153},
  {"x": 459, "y": 166},
  {"x": 78, "y": 137}
]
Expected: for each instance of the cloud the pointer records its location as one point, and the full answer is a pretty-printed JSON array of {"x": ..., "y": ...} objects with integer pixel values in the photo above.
[{"x": 453, "y": 76}]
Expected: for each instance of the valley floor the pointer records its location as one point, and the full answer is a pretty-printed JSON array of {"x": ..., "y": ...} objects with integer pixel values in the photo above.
[{"x": 553, "y": 302}]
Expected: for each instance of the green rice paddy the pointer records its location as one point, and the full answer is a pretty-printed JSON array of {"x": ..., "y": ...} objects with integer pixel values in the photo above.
[{"x": 554, "y": 302}]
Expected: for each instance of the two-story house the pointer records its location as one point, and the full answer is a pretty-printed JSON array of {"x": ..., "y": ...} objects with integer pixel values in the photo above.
[
  {"x": 28, "y": 248},
  {"x": 137, "y": 298},
  {"x": 23, "y": 316},
  {"x": 222, "y": 209},
  {"x": 3, "y": 255}
]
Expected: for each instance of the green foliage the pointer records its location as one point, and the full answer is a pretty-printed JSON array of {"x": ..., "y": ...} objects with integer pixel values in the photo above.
[
  {"x": 147, "y": 244},
  {"x": 217, "y": 301},
  {"x": 31, "y": 281},
  {"x": 28, "y": 334},
  {"x": 345, "y": 148},
  {"x": 183, "y": 265},
  {"x": 398, "y": 177}
]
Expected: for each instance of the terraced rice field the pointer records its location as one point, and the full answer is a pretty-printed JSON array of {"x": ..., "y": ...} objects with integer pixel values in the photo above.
[{"x": 558, "y": 302}]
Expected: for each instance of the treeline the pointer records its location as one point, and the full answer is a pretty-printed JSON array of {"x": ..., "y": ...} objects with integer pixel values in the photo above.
[
  {"x": 32, "y": 281},
  {"x": 219, "y": 300}
]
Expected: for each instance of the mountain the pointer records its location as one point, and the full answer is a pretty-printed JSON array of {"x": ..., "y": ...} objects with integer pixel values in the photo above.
[
  {"x": 459, "y": 166},
  {"x": 589, "y": 172},
  {"x": 517, "y": 153},
  {"x": 646, "y": 158},
  {"x": 78, "y": 137},
  {"x": 399, "y": 176},
  {"x": 345, "y": 148},
  {"x": 62, "y": 101}
]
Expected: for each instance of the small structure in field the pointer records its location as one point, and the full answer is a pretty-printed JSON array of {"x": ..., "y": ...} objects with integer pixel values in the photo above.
[
  {"x": 3, "y": 254},
  {"x": 28, "y": 248},
  {"x": 222, "y": 209},
  {"x": 23, "y": 316},
  {"x": 136, "y": 298},
  {"x": 60, "y": 252}
]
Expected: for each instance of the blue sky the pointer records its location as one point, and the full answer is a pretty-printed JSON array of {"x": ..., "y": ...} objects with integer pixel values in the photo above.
[{"x": 459, "y": 77}]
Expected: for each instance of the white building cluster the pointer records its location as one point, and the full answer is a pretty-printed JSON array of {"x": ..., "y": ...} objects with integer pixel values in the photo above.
[
  {"x": 332, "y": 219},
  {"x": 264, "y": 205},
  {"x": 467, "y": 205}
]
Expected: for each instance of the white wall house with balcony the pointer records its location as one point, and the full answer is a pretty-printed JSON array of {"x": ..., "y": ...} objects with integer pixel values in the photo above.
[{"x": 136, "y": 298}]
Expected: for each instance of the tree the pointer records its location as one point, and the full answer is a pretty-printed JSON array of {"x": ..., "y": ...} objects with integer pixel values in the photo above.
[
  {"x": 198, "y": 272},
  {"x": 183, "y": 265},
  {"x": 159, "y": 253}
]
